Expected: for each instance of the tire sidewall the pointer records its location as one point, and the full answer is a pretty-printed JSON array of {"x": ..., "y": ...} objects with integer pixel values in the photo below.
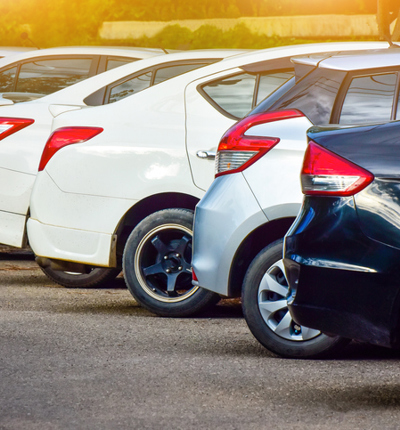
[
  {"x": 314, "y": 347},
  {"x": 194, "y": 303},
  {"x": 97, "y": 277}
]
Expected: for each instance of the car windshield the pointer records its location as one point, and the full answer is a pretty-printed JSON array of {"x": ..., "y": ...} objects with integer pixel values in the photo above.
[{"x": 314, "y": 95}]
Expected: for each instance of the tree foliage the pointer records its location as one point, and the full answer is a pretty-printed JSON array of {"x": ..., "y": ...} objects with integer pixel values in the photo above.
[{"x": 76, "y": 22}]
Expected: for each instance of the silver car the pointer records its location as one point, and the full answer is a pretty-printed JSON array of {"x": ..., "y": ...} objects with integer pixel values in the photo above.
[{"x": 242, "y": 219}]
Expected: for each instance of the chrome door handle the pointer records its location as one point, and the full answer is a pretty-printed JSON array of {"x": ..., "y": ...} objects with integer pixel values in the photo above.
[{"x": 205, "y": 154}]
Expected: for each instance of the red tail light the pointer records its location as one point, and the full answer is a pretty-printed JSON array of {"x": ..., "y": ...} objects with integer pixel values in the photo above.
[
  {"x": 325, "y": 173},
  {"x": 237, "y": 151},
  {"x": 12, "y": 125},
  {"x": 66, "y": 136},
  {"x": 194, "y": 277}
]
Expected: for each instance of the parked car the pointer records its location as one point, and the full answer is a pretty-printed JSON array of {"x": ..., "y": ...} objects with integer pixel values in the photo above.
[
  {"x": 343, "y": 251},
  {"x": 124, "y": 189},
  {"x": 32, "y": 74},
  {"x": 5, "y": 51},
  {"x": 25, "y": 127},
  {"x": 241, "y": 221}
]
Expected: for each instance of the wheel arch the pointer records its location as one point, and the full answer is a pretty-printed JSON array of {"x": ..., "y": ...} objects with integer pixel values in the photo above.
[
  {"x": 258, "y": 239},
  {"x": 147, "y": 206}
]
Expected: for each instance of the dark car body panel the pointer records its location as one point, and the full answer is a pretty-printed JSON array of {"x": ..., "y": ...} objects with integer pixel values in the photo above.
[
  {"x": 376, "y": 149},
  {"x": 342, "y": 255}
]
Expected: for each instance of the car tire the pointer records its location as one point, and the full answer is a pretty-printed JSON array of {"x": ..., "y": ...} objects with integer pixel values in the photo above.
[
  {"x": 97, "y": 277},
  {"x": 264, "y": 302},
  {"x": 157, "y": 265}
]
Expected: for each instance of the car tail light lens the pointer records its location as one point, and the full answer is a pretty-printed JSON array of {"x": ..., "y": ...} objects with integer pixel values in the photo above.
[
  {"x": 66, "y": 136},
  {"x": 237, "y": 151},
  {"x": 327, "y": 174},
  {"x": 12, "y": 125}
]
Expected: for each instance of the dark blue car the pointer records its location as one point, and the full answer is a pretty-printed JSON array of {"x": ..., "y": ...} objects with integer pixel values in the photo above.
[{"x": 342, "y": 254}]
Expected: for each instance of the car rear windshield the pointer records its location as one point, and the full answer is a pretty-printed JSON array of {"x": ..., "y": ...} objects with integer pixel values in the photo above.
[{"x": 314, "y": 95}]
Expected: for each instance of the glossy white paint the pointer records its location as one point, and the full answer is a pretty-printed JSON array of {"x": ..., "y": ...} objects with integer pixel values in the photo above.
[
  {"x": 15, "y": 190},
  {"x": 6, "y": 51},
  {"x": 20, "y": 152},
  {"x": 34, "y": 54},
  {"x": 12, "y": 229},
  {"x": 141, "y": 150},
  {"x": 104, "y": 211},
  {"x": 204, "y": 128},
  {"x": 145, "y": 147},
  {"x": 85, "y": 246}
]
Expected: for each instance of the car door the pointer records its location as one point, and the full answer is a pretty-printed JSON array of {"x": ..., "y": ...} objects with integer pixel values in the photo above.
[{"x": 214, "y": 105}]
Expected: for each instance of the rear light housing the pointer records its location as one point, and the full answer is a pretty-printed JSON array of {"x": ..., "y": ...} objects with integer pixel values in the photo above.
[
  {"x": 237, "y": 151},
  {"x": 10, "y": 126},
  {"x": 325, "y": 173},
  {"x": 195, "y": 281},
  {"x": 66, "y": 136}
]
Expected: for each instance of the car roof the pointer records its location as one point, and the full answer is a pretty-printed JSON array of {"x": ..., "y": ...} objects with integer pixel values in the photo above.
[
  {"x": 96, "y": 82},
  {"x": 249, "y": 60},
  {"x": 235, "y": 59},
  {"x": 353, "y": 60},
  {"x": 82, "y": 50},
  {"x": 6, "y": 51},
  {"x": 232, "y": 58},
  {"x": 16, "y": 49}
]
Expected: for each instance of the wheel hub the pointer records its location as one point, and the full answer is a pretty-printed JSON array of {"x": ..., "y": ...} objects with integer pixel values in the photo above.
[
  {"x": 272, "y": 304},
  {"x": 163, "y": 261},
  {"x": 172, "y": 262}
]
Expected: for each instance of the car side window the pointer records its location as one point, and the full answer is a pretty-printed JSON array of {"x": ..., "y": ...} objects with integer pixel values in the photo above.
[
  {"x": 270, "y": 82},
  {"x": 129, "y": 87},
  {"x": 233, "y": 95},
  {"x": 369, "y": 99},
  {"x": 114, "y": 62},
  {"x": 145, "y": 80},
  {"x": 48, "y": 76},
  {"x": 165, "y": 73},
  {"x": 7, "y": 80}
]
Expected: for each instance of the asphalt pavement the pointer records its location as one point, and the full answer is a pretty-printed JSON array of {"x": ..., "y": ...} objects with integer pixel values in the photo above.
[{"x": 94, "y": 359}]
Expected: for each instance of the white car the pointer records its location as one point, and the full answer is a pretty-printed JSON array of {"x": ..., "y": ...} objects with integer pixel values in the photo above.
[
  {"x": 25, "y": 127},
  {"x": 118, "y": 183},
  {"x": 5, "y": 51},
  {"x": 32, "y": 74}
]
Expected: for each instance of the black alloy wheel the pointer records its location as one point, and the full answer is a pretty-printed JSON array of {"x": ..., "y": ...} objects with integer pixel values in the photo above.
[{"x": 157, "y": 265}]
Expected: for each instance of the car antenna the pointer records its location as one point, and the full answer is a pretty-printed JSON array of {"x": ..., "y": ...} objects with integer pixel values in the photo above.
[
  {"x": 165, "y": 51},
  {"x": 24, "y": 36}
]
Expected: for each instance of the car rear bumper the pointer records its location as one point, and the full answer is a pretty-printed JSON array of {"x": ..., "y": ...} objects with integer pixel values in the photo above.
[
  {"x": 81, "y": 246},
  {"x": 224, "y": 217},
  {"x": 73, "y": 227},
  {"x": 341, "y": 281}
]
